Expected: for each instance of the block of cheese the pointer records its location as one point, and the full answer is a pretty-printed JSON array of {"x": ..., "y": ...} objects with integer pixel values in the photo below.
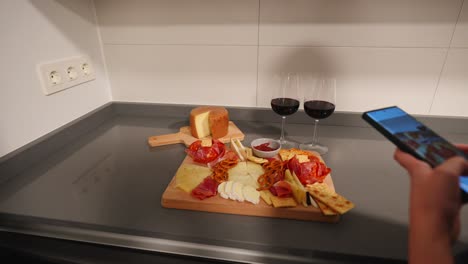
[{"x": 209, "y": 121}]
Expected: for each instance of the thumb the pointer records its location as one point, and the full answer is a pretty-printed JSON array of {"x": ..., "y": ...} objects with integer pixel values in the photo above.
[{"x": 453, "y": 167}]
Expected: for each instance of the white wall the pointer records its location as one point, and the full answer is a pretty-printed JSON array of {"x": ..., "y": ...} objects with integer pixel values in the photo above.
[
  {"x": 384, "y": 52},
  {"x": 39, "y": 31}
]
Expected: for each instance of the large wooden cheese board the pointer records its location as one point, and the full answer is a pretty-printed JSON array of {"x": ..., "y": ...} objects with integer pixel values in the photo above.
[
  {"x": 185, "y": 136},
  {"x": 176, "y": 198}
]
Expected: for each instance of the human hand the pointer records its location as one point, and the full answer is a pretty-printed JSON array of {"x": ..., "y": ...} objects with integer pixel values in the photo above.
[{"x": 435, "y": 192}]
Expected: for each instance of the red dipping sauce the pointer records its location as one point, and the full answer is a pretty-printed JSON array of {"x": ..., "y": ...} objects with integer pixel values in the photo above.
[{"x": 264, "y": 147}]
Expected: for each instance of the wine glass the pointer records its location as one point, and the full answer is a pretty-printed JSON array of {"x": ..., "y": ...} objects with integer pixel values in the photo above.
[
  {"x": 319, "y": 103},
  {"x": 284, "y": 102}
]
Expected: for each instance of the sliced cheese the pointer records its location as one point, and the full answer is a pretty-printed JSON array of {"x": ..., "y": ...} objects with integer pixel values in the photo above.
[
  {"x": 228, "y": 189},
  {"x": 237, "y": 191},
  {"x": 188, "y": 176},
  {"x": 221, "y": 190},
  {"x": 251, "y": 194}
]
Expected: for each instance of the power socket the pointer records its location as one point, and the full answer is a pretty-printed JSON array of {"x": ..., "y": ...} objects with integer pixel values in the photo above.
[{"x": 65, "y": 73}]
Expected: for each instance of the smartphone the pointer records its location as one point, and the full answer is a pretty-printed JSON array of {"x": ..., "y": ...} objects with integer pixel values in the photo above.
[{"x": 413, "y": 137}]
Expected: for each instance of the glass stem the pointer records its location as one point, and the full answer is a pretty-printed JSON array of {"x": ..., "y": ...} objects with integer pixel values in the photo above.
[
  {"x": 314, "y": 139},
  {"x": 283, "y": 120}
]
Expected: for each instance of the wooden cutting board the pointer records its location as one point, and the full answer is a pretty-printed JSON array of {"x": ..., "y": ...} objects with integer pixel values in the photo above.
[
  {"x": 176, "y": 198},
  {"x": 185, "y": 136}
]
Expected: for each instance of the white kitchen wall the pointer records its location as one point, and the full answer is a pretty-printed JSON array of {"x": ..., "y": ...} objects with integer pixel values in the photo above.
[
  {"x": 33, "y": 32},
  {"x": 412, "y": 53},
  {"x": 227, "y": 52}
]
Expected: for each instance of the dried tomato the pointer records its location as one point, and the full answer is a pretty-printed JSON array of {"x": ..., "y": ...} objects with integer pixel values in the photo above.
[{"x": 264, "y": 147}]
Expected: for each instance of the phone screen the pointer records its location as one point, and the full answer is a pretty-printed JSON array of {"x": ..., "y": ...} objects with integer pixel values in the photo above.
[{"x": 416, "y": 136}]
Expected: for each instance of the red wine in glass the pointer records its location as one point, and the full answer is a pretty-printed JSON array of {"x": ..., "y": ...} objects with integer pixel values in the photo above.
[
  {"x": 319, "y": 103},
  {"x": 284, "y": 106},
  {"x": 319, "y": 109}
]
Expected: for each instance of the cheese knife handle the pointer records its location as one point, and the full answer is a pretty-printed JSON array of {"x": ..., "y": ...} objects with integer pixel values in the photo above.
[{"x": 167, "y": 139}]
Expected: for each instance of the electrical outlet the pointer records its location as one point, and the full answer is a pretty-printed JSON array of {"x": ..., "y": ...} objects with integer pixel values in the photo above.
[{"x": 63, "y": 74}]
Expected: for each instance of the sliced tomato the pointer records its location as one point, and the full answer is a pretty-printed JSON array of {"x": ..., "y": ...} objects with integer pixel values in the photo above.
[{"x": 281, "y": 189}]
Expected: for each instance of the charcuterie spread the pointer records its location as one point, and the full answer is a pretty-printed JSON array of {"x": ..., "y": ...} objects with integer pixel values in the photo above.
[{"x": 229, "y": 178}]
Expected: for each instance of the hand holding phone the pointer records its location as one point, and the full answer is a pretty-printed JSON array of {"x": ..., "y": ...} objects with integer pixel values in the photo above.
[{"x": 413, "y": 137}]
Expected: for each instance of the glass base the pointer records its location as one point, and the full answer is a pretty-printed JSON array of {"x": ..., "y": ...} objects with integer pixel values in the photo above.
[
  {"x": 319, "y": 148},
  {"x": 287, "y": 144}
]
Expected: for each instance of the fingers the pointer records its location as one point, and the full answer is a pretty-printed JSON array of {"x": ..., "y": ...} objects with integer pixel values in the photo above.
[
  {"x": 463, "y": 147},
  {"x": 453, "y": 167},
  {"x": 410, "y": 163}
]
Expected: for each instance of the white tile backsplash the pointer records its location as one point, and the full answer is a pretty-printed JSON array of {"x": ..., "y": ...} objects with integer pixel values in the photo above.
[
  {"x": 199, "y": 51},
  {"x": 451, "y": 97},
  {"x": 397, "y": 23},
  {"x": 366, "y": 78},
  {"x": 460, "y": 37},
  {"x": 222, "y": 22},
  {"x": 216, "y": 75}
]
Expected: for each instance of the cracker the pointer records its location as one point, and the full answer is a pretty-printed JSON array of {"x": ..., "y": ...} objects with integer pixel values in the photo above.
[
  {"x": 287, "y": 154},
  {"x": 325, "y": 209},
  {"x": 283, "y": 202},
  {"x": 266, "y": 196},
  {"x": 322, "y": 193}
]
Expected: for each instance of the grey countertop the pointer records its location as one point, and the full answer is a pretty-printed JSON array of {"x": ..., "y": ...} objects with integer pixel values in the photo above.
[{"x": 103, "y": 184}]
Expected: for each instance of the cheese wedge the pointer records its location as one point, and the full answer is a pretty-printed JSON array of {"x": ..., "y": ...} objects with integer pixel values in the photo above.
[{"x": 298, "y": 191}]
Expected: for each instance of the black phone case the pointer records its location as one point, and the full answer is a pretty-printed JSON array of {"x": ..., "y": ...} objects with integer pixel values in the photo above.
[
  {"x": 390, "y": 137},
  {"x": 400, "y": 145}
]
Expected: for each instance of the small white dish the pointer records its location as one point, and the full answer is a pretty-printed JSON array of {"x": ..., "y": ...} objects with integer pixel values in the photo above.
[{"x": 274, "y": 144}]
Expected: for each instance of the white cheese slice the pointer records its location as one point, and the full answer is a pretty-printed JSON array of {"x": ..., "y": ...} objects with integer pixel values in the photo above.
[
  {"x": 221, "y": 190},
  {"x": 251, "y": 194},
  {"x": 228, "y": 190},
  {"x": 237, "y": 191}
]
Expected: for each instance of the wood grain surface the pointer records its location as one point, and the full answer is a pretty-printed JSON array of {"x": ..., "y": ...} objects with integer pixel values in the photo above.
[
  {"x": 184, "y": 136},
  {"x": 176, "y": 198}
]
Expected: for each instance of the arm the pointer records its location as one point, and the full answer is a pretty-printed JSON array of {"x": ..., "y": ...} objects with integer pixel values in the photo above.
[{"x": 434, "y": 207}]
